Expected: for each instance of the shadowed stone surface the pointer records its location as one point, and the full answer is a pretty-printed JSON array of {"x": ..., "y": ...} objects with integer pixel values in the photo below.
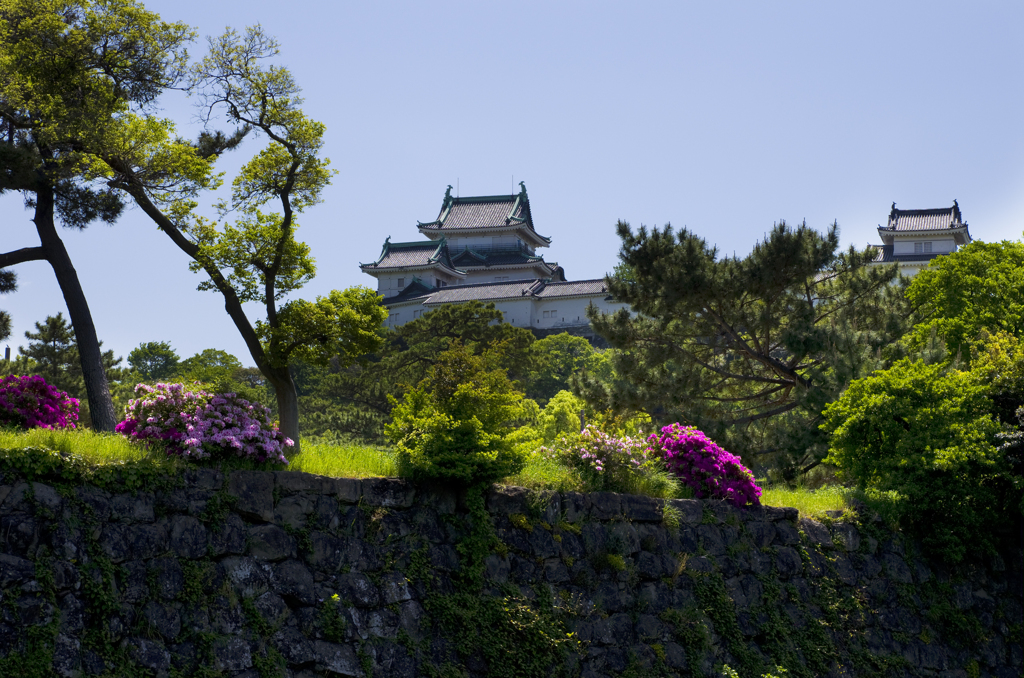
[{"x": 335, "y": 577}]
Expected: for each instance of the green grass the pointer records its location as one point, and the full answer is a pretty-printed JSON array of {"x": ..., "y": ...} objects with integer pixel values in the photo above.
[
  {"x": 344, "y": 461},
  {"x": 353, "y": 460},
  {"x": 94, "y": 448},
  {"x": 810, "y": 503}
]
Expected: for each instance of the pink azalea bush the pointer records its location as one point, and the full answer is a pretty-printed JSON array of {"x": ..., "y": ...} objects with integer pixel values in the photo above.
[
  {"x": 195, "y": 424},
  {"x": 29, "y": 402},
  {"x": 704, "y": 466},
  {"x": 605, "y": 462}
]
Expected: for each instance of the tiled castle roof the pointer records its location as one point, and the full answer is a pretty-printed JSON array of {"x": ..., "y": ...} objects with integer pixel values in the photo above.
[
  {"x": 413, "y": 254},
  {"x": 484, "y": 212},
  {"x": 512, "y": 289},
  {"x": 884, "y": 255},
  {"x": 925, "y": 220}
]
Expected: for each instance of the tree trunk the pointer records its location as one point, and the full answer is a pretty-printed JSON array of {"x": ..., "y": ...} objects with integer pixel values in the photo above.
[
  {"x": 287, "y": 402},
  {"x": 101, "y": 407}
]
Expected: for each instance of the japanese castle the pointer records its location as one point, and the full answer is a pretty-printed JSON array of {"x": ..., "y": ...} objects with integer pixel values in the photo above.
[
  {"x": 485, "y": 248},
  {"x": 912, "y": 238}
]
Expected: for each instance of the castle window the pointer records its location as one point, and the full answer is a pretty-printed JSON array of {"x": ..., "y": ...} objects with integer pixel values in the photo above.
[
  {"x": 401, "y": 283},
  {"x": 922, "y": 247},
  {"x": 416, "y": 314}
]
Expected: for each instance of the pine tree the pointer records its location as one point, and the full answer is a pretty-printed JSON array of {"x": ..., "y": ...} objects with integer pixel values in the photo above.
[{"x": 748, "y": 349}]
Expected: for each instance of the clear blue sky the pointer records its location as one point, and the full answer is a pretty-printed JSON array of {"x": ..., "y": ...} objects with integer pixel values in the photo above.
[{"x": 723, "y": 117}]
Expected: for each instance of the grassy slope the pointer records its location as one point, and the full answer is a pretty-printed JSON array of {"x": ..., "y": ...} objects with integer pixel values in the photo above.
[{"x": 359, "y": 461}]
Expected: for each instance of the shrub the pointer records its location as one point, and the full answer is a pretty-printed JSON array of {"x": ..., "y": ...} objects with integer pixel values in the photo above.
[
  {"x": 454, "y": 426},
  {"x": 195, "y": 424},
  {"x": 29, "y": 402},
  {"x": 615, "y": 464},
  {"x": 926, "y": 434},
  {"x": 704, "y": 466}
]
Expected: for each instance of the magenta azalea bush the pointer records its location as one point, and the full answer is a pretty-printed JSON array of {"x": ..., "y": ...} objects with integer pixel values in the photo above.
[
  {"x": 700, "y": 463},
  {"x": 195, "y": 424},
  {"x": 29, "y": 402}
]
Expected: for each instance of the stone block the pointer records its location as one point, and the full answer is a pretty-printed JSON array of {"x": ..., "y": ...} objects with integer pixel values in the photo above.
[
  {"x": 97, "y": 502},
  {"x": 204, "y": 478},
  {"x": 897, "y": 568},
  {"x": 188, "y": 537},
  {"x": 247, "y": 576},
  {"x": 508, "y": 500},
  {"x": 847, "y": 536},
  {"x": 816, "y": 533},
  {"x": 623, "y": 538},
  {"x": 293, "y": 580},
  {"x": 293, "y": 646},
  {"x": 762, "y": 534},
  {"x": 231, "y": 654},
  {"x": 358, "y": 590},
  {"x": 254, "y": 492},
  {"x": 641, "y": 509},
  {"x": 605, "y": 506},
  {"x": 395, "y": 588},
  {"x": 169, "y": 577},
  {"x": 788, "y": 562},
  {"x": 133, "y": 507},
  {"x": 574, "y": 506},
  {"x": 163, "y": 619},
  {"x": 691, "y": 511},
  {"x": 388, "y": 492},
  {"x": 229, "y": 537},
  {"x": 293, "y": 511},
  {"x": 150, "y": 654},
  {"x": 337, "y": 659},
  {"x": 270, "y": 542}
]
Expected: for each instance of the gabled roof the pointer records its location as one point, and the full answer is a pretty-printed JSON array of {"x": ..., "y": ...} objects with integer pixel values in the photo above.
[
  {"x": 472, "y": 258},
  {"x": 909, "y": 223},
  {"x": 925, "y": 220},
  {"x": 575, "y": 288},
  {"x": 414, "y": 290},
  {"x": 404, "y": 255},
  {"x": 513, "y": 289},
  {"x": 884, "y": 255},
  {"x": 492, "y": 212}
]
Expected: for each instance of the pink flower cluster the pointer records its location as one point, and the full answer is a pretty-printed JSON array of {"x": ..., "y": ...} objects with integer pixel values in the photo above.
[
  {"x": 703, "y": 465},
  {"x": 602, "y": 456},
  {"x": 29, "y": 402},
  {"x": 195, "y": 424}
]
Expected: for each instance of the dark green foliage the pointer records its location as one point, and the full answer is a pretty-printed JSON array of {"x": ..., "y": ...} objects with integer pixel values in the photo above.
[
  {"x": 749, "y": 349},
  {"x": 453, "y": 426},
  {"x": 353, "y": 400},
  {"x": 557, "y": 359},
  {"x": 926, "y": 434},
  {"x": 154, "y": 361}
]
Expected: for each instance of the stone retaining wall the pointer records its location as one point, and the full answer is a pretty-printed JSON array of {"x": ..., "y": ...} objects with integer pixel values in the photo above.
[{"x": 288, "y": 574}]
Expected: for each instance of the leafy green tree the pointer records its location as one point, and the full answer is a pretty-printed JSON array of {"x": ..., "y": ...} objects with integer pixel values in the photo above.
[
  {"x": 557, "y": 358},
  {"x": 926, "y": 433},
  {"x": 256, "y": 257},
  {"x": 454, "y": 426},
  {"x": 751, "y": 349},
  {"x": 154, "y": 360},
  {"x": 561, "y": 416},
  {"x": 978, "y": 287},
  {"x": 68, "y": 67},
  {"x": 353, "y": 399}
]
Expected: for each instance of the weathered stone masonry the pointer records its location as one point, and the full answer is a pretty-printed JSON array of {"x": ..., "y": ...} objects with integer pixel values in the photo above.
[{"x": 238, "y": 574}]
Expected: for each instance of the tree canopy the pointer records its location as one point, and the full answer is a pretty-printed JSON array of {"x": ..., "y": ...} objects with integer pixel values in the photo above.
[
  {"x": 254, "y": 256},
  {"x": 978, "y": 287},
  {"x": 749, "y": 349},
  {"x": 67, "y": 68},
  {"x": 154, "y": 360}
]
